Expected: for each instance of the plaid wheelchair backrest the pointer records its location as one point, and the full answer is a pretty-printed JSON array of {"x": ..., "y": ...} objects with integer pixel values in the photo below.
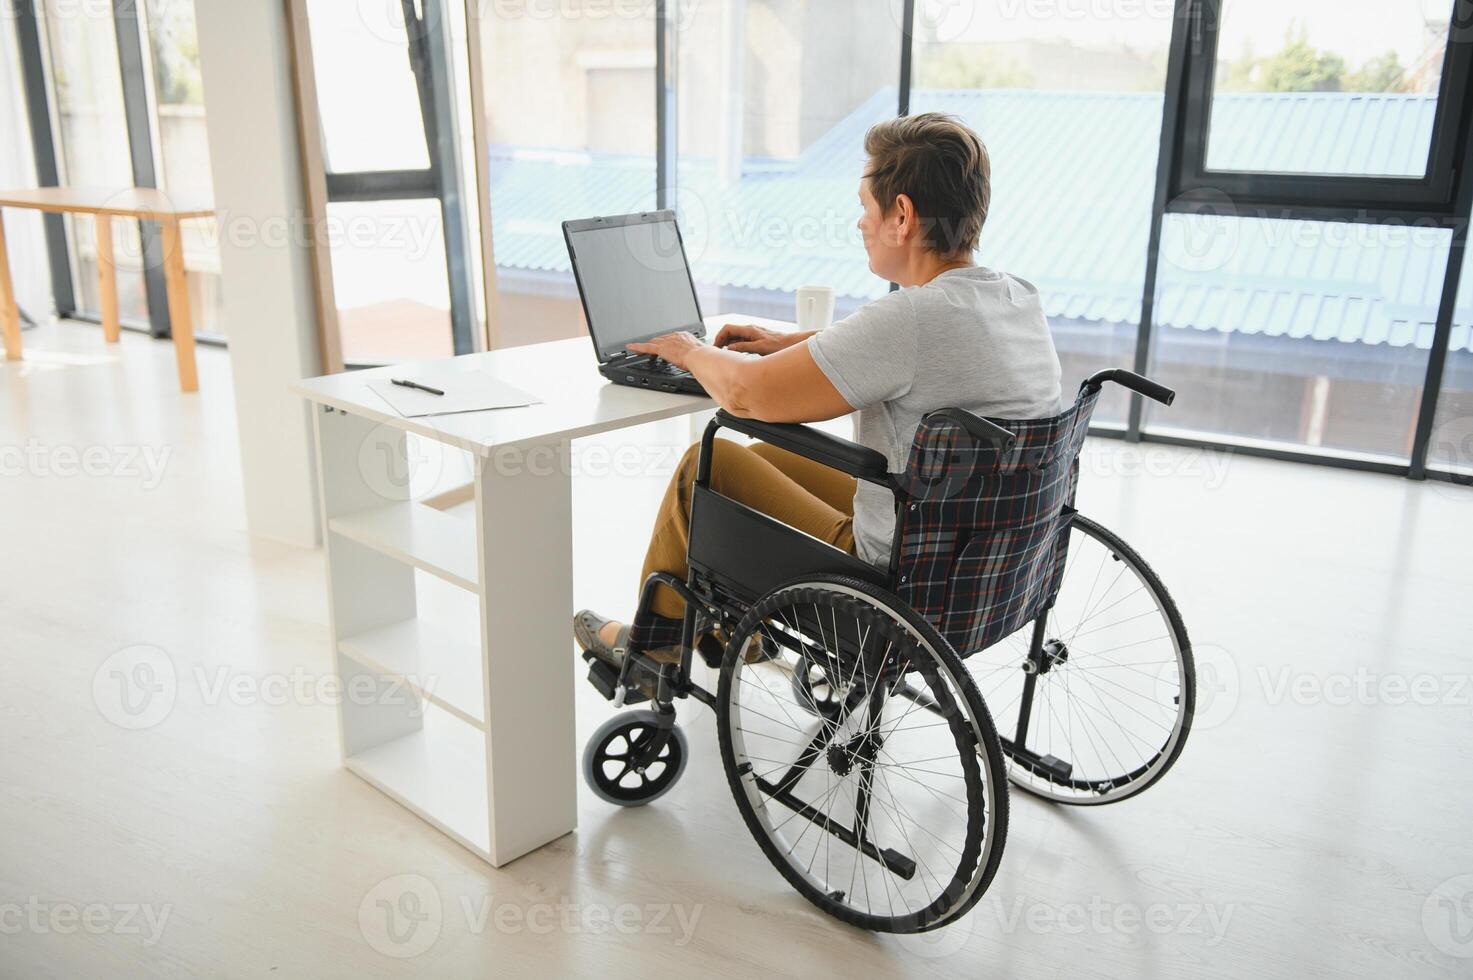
[{"x": 983, "y": 534}]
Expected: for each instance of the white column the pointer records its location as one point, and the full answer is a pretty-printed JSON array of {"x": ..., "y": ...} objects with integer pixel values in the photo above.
[{"x": 270, "y": 312}]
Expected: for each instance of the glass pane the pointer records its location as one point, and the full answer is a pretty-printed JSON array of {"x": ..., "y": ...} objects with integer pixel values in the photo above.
[
  {"x": 25, "y": 242},
  {"x": 87, "y": 89},
  {"x": 1310, "y": 335},
  {"x": 184, "y": 152},
  {"x": 570, "y": 117},
  {"x": 774, "y": 102},
  {"x": 1047, "y": 88},
  {"x": 389, "y": 277},
  {"x": 1451, "y": 446},
  {"x": 365, "y": 87},
  {"x": 1327, "y": 86}
]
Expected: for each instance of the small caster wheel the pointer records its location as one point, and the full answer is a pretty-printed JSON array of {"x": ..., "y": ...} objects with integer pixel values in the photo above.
[
  {"x": 608, "y": 760},
  {"x": 813, "y": 691}
]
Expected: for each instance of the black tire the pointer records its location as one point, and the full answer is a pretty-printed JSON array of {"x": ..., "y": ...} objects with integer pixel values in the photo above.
[
  {"x": 916, "y": 668},
  {"x": 1159, "y": 707},
  {"x": 610, "y": 747}
]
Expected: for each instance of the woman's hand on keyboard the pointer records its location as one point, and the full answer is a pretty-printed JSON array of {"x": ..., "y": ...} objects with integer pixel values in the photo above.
[
  {"x": 748, "y": 338},
  {"x": 671, "y": 347}
]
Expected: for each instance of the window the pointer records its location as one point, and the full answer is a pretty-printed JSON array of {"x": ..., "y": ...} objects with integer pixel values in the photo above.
[
  {"x": 774, "y": 101},
  {"x": 183, "y": 151},
  {"x": 25, "y": 240},
  {"x": 390, "y": 280},
  {"x": 93, "y": 139},
  {"x": 1301, "y": 334},
  {"x": 366, "y": 93},
  {"x": 1348, "y": 105},
  {"x": 1451, "y": 446},
  {"x": 1070, "y": 110},
  {"x": 569, "y": 96},
  {"x": 1327, "y": 86},
  {"x": 396, "y": 226}
]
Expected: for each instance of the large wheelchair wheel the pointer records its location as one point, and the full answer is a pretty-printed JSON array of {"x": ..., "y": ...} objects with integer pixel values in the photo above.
[
  {"x": 1094, "y": 705},
  {"x": 886, "y": 808}
]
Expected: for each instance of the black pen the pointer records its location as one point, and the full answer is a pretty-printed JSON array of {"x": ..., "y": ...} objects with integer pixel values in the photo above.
[{"x": 415, "y": 385}]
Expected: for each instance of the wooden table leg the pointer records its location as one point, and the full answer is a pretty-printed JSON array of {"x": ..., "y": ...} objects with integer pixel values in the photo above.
[
  {"x": 107, "y": 278},
  {"x": 9, "y": 315},
  {"x": 180, "y": 322}
]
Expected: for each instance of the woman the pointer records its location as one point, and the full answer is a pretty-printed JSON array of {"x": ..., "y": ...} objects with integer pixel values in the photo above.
[{"x": 954, "y": 335}]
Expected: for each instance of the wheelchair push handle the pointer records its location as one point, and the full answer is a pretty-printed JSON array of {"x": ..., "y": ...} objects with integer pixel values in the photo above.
[
  {"x": 978, "y": 428},
  {"x": 1136, "y": 383}
]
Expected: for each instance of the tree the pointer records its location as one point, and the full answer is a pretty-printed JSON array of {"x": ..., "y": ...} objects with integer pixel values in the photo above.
[
  {"x": 1382, "y": 73},
  {"x": 955, "y": 66},
  {"x": 1298, "y": 67}
]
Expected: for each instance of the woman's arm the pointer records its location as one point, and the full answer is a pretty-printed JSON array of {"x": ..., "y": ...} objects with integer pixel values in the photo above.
[{"x": 786, "y": 386}]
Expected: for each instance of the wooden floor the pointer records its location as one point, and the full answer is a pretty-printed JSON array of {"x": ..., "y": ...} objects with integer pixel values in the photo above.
[{"x": 179, "y": 810}]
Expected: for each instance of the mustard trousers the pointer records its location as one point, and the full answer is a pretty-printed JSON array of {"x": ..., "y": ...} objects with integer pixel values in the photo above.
[{"x": 785, "y": 486}]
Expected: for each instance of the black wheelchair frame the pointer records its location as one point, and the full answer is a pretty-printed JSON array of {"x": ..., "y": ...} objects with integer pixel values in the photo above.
[
  {"x": 738, "y": 555},
  {"x": 772, "y": 554}
]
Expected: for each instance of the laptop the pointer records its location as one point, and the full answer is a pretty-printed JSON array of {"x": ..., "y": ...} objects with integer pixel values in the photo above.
[{"x": 635, "y": 284}]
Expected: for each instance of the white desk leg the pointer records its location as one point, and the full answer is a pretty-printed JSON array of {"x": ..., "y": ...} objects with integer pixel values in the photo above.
[{"x": 524, "y": 510}]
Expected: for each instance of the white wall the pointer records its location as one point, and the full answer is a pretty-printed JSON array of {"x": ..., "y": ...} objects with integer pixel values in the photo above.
[
  {"x": 270, "y": 311},
  {"x": 23, "y": 234}
]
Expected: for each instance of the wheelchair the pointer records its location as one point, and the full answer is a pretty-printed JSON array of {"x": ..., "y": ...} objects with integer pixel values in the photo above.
[{"x": 871, "y": 720}]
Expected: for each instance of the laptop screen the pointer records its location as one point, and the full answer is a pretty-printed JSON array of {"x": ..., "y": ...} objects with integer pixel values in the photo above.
[{"x": 634, "y": 279}]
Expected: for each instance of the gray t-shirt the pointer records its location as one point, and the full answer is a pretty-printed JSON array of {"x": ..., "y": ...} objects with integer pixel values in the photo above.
[{"x": 970, "y": 338}]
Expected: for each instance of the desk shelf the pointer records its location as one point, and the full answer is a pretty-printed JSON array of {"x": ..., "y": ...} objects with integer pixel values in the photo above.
[
  {"x": 410, "y": 532},
  {"x": 437, "y": 664},
  {"x": 439, "y": 772},
  {"x": 465, "y": 718}
]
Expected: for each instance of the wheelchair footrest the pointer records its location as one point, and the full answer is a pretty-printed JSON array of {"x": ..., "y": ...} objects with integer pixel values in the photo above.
[{"x": 605, "y": 680}]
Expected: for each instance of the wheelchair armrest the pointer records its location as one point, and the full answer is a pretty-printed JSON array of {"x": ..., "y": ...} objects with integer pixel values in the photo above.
[{"x": 840, "y": 454}]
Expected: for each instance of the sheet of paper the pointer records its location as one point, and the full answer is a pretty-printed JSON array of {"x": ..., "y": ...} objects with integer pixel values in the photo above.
[{"x": 465, "y": 391}]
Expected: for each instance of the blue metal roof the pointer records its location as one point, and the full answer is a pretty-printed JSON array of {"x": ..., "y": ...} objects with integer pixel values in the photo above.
[{"x": 1073, "y": 176}]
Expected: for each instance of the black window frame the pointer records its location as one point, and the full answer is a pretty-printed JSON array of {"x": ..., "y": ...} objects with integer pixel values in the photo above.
[
  {"x": 1442, "y": 198},
  {"x": 1308, "y": 195}
]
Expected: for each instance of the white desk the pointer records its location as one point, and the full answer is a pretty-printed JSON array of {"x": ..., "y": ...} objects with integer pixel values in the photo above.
[{"x": 471, "y": 728}]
